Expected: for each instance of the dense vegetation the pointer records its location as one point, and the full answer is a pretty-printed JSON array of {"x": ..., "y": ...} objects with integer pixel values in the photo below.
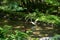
[{"x": 29, "y": 11}]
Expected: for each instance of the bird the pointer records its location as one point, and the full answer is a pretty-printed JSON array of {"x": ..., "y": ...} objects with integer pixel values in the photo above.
[{"x": 35, "y": 22}]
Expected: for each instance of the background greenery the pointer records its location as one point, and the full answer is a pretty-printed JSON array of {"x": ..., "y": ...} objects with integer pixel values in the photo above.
[{"x": 29, "y": 11}]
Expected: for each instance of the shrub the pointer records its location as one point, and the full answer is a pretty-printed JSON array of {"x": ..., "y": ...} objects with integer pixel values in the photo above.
[
  {"x": 56, "y": 37},
  {"x": 7, "y": 34}
]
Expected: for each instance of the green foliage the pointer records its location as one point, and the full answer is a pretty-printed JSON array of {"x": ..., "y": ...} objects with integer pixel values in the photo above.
[
  {"x": 12, "y": 7},
  {"x": 53, "y": 2},
  {"x": 44, "y": 10},
  {"x": 56, "y": 37},
  {"x": 42, "y": 17},
  {"x": 7, "y": 34},
  {"x": 4, "y": 31}
]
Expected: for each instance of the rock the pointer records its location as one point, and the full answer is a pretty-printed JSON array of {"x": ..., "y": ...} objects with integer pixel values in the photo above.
[{"x": 45, "y": 38}]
